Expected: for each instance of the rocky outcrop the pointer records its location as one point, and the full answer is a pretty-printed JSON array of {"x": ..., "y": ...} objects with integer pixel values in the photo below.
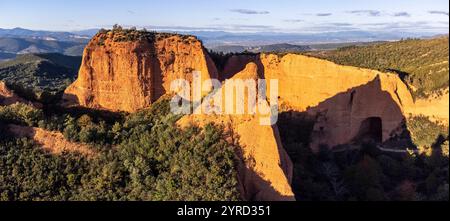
[
  {"x": 128, "y": 75},
  {"x": 265, "y": 171},
  {"x": 345, "y": 100},
  {"x": 308, "y": 81},
  {"x": 434, "y": 107},
  {"x": 348, "y": 103},
  {"x": 52, "y": 142},
  {"x": 8, "y": 97},
  {"x": 237, "y": 63}
]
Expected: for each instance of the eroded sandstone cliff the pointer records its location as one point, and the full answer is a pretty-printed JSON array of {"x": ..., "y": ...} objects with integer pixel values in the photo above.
[
  {"x": 265, "y": 172},
  {"x": 348, "y": 103},
  {"x": 343, "y": 98},
  {"x": 118, "y": 74},
  {"x": 130, "y": 75}
]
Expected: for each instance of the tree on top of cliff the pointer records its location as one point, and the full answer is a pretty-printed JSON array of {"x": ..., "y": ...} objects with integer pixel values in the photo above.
[{"x": 120, "y": 34}]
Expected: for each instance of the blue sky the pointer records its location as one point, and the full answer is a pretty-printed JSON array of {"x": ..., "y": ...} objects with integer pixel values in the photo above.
[{"x": 229, "y": 15}]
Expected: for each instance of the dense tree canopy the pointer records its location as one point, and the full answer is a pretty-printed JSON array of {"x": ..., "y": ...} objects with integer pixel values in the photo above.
[{"x": 143, "y": 156}]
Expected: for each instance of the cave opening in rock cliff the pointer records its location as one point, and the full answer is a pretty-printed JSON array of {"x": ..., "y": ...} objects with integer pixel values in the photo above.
[{"x": 371, "y": 130}]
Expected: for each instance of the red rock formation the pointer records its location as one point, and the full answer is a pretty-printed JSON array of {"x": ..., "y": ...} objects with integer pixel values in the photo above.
[
  {"x": 349, "y": 102},
  {"x": 342, "y": 97},
  {"x": 130, "y": 75},
  {"x": 266, "y": 171},
  {"x": 8, "y": 97}
]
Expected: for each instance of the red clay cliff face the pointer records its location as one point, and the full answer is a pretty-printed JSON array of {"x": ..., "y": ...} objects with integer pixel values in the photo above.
[
  {"x": 345, "y": 100},
  {"x": 265, "y": 170},
  {"x": 131, "y": 75}
]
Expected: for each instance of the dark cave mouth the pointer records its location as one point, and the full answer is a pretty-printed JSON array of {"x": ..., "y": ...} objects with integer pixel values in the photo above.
[{"x": 371, "y": 130}]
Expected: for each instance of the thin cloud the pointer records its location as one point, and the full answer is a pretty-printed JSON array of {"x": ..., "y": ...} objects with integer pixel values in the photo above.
[
  {"x": 438, "y": 12},
  {"x": 339, "y": 24},
  {"x": 249, "y": 12},
  {"x": 293, "y": 20},
  {"x": 324, "y": 14},
  {"x": 373, "y": 13},
  {"x": 131, "y": 12},
  {"x": 251, "y": 26},
  {"x": 407, "y": 26},
  {"x": 402, "y": 14}
]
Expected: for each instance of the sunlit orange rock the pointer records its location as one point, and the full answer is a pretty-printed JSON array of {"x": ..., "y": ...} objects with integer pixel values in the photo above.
[
  {"x": 8, "y": 97},
  {"x": 130, "y": 75},
  {"x": 345, "y": 100},
  {"x": 265, "y": 171},
  {"x": 52, "y": 142}
]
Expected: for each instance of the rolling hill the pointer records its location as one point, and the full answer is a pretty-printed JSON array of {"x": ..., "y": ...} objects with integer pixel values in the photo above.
[
  {"x": 43, "y": 35},
  {"x": 261, "y": 49},
  {"x": 13, "y": 46},
  {"x": 34, "y": 76}
]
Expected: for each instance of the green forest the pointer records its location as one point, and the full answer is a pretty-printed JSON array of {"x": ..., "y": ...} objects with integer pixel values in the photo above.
[
  {"x": 40, "y": 77},
  {"x": 362, "y": 172},
  {"x": 142, "y": 156}
]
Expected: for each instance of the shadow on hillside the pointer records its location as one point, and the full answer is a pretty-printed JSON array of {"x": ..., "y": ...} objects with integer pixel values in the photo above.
[
  {"x": 251, "y": 184},
  {"x": 343, "y": 122},
  {"x": 229, "y": 71}
]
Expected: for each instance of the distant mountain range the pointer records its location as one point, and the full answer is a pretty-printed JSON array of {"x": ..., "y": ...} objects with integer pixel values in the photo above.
[
  {"x": 15, "y": 45},
  {"x": 283, "y": 48},
  {"x": 18, "y": 41},
  {"x": 23, "y": 41},
  {"x": 217, "y": 38},
  {"x": 260, "y": 49},
  {"x": 44, "y": 35},
  {"x": 214, "y": 39}
]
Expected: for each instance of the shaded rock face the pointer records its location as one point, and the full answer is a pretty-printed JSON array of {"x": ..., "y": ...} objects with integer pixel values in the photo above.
[
  {"x": 364, "y": 113},
  {"x": 131, "y": 75},
  {"x": 265, "y": 170},
  {"x": 237, "y": 63}
]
